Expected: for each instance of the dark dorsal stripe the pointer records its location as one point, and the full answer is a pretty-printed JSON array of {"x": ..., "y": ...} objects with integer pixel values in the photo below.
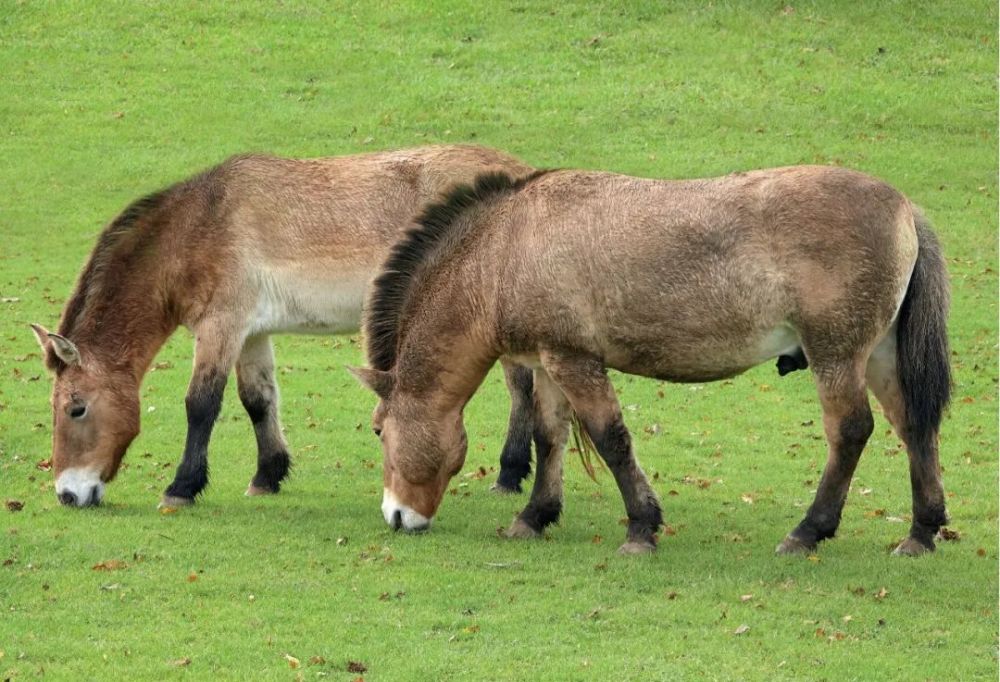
[{"x": 391, "y": 288}]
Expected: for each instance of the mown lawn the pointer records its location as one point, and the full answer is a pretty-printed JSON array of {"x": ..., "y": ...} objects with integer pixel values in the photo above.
[{"x": 104, "y": 102}]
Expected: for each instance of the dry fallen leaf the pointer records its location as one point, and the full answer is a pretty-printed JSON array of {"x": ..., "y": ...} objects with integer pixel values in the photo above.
[
  {"x": 293, "y": 662},
  {"x": 746, "y": 597},
  {"x": 110, "y": 565},
  {"x": 742, "y": 629},
  {"x": 950, "y": 535},
  {"x": 356, "y": 667},
  {"x": 181, "y": 662},
  {"x": 317, "y": 660},
  {"x": 881, "y": 594},
  {"x": 192, "y": 577},
  {"x": 14, "y": 505}
]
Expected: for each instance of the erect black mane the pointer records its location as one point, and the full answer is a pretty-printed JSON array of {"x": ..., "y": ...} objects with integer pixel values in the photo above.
[{"x": 391, "y": 288}]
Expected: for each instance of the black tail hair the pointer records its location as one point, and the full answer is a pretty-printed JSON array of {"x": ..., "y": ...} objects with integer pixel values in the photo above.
[{"x": 922, "y": 340}]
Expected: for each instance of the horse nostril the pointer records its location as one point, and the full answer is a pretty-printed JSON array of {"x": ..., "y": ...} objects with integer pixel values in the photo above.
[
  {"x": 397, "y": 520},
  {"x": 67, "y": 498}
]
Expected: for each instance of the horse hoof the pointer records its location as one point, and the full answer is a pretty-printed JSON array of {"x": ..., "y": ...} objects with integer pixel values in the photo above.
[
  {"x": 500, "y": 489},
  {"x": 911, "y": 547},
  {"x": 172, "y": 502},
  {"x": 521, "y": 531},
  {"x": 792, "y": 545},
  {"x": 637, "y": 547},
  {"x": 254, "y": 491}
]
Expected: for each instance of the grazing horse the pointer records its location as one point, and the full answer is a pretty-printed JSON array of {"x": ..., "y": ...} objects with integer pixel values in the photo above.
[
  {"x": 687, "y": 281},
  {"x": 253, "y": 246}
]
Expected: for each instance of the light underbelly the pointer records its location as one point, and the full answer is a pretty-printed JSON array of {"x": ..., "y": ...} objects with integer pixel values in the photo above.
[{"x": 290, "y": 301}]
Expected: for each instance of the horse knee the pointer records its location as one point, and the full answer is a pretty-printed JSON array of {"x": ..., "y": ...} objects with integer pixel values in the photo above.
[
  {"x": 856, "y": 429},
  {"x": 204, "y": 401},
  {"x": 612, "y": 441}
]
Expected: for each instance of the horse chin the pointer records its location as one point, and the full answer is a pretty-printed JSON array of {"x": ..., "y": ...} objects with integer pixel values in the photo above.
[{"x": 400, "y": 516}]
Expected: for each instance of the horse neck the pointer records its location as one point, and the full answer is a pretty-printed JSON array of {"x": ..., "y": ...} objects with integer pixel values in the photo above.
[
  {"x": 128, "y": 323},
  {"x": 449, "y": 344}
]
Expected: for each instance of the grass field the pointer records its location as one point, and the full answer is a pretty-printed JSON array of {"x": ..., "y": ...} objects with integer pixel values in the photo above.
[{"x": 104, "y": 102}]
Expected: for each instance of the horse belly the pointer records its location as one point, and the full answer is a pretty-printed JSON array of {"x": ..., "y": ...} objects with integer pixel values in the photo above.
[
  {"x": 293, "y": 301},
  {"x": 697, "y": 359}
]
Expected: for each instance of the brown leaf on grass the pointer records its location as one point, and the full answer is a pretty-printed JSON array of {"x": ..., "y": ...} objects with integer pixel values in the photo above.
[
  {"x": 356, "y": 667},
  {"x": 746, "y": 597},
  {"x": 110, "y": 565},
  {"x": 874, "y": 513},
  {"x": 14, "y": 505},
  {"x": 668, "y": 530},
  {"x": 980, "y": 552},
  {"x": 950, "y": 535},
  {"x": 742, "y": 629},
  {"x": 181, "y": 662},
  {"x": 820, "y": 633},
  {"x": 192, "y": 577},
  {"x": 881, "y": 594},
  {"x": 672, "y": 595},
  {"x": 317, "y": 660},
  {"x": 747, "y": 497},
  {"x": 44, "y": 465},
  {"x": 293, "y": 662}
]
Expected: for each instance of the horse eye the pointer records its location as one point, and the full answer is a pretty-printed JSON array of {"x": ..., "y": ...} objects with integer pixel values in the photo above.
[{"x": 78, "y": 411}]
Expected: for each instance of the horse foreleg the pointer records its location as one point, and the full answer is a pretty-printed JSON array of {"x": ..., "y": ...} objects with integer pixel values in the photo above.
[
  {"x": 586, "y": 385},
  {"x": 847, "y": 421},
  {"x": 552, "y": 417},
  {"x": 259, "y": 395},
  {"x": 216, "y": 348},
  {"x": 515, "y": 458}
]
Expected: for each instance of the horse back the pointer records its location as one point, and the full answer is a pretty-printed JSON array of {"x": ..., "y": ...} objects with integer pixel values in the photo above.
[{"x": 698, "y": 280}]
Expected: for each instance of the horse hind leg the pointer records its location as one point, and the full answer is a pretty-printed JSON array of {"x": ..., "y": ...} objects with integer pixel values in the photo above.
[
  {"x": 259, "y": 394},
  {"x": 551, "y": 429},
  {"x": 848, "y": 423},
  {"x": 515, "y": 458},
  {"x": 929, "y": 512}
]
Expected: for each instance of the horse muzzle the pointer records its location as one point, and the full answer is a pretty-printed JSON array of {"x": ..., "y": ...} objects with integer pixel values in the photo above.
[
  {"x": 80, "y": 488},
  {"x": 401, "y": 517}
]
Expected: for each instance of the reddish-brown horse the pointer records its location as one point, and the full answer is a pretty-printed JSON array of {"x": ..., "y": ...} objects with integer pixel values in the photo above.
[
  {"x": 574, "y": 272},
  {"x": 254, "y": 246}
]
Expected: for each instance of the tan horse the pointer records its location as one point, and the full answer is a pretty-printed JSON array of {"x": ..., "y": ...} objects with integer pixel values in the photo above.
[
  {"x": 574, "y": 272},
  {"x": 254, "y": 246}
]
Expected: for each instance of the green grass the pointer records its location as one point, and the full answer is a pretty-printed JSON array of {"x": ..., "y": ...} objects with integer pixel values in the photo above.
[{"x": 104, "y": 102}]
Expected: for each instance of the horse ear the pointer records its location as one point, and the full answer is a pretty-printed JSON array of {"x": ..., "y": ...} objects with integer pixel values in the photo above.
[
  {"x": 376, "y": 380},
  {"x": 64, "y": 349},
  {"x": 42, "y": 334}
]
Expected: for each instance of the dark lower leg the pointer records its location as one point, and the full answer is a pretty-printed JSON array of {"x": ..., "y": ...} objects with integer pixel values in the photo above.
[
  {"x": 847, "y": 436},
  {"x": 515, "y": 459},
  {"x": 203, "y": 402},
  {"x": 259, "y": 395},
  {"x": 614, "y": 444},
  {"x": 929, "y": 512},
  {"x": 550, "y": 433}
]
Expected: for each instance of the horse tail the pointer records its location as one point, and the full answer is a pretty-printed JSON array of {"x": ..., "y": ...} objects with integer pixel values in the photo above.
[{"x": 922, "y": 340}]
